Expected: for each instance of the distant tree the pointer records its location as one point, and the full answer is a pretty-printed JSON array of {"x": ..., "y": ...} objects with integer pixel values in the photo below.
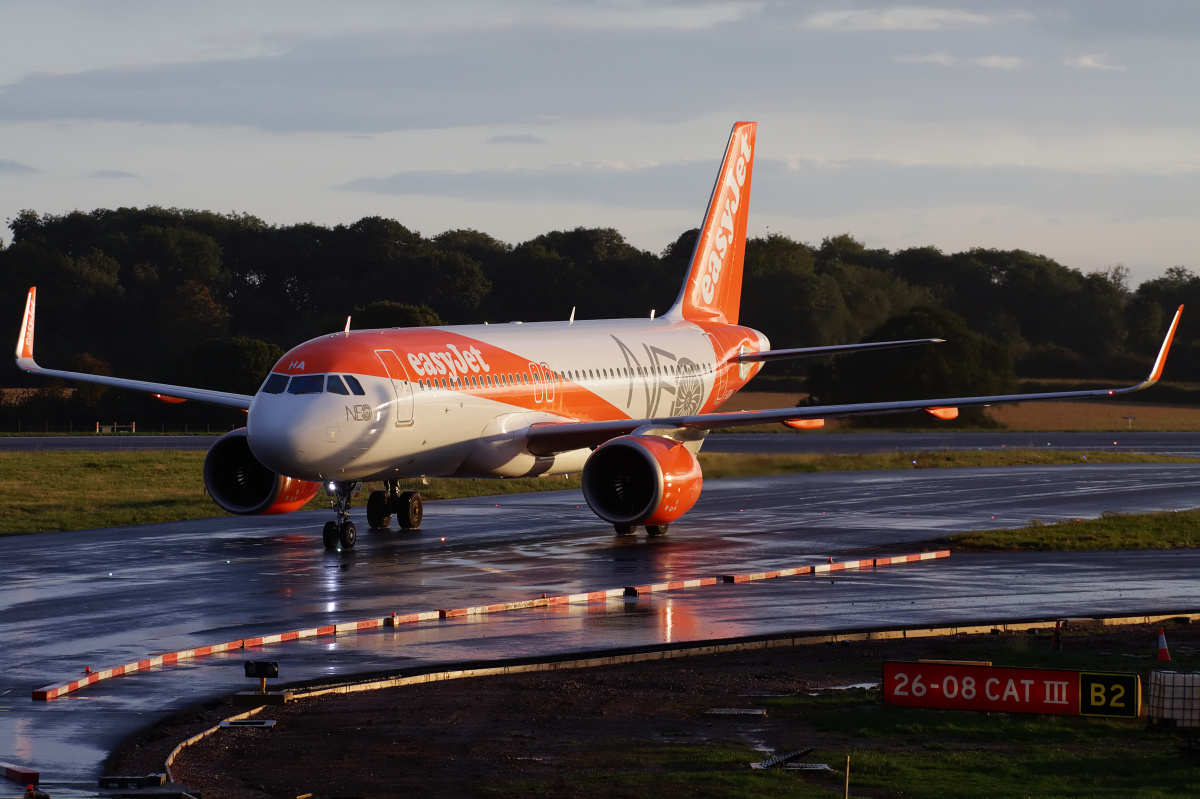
[
  {"x": 89, "y": 394},
  {"x": 967, "y": 364},
  {"x": 479, "y": 247},
  {"x": 238, "y": 364},
  {"x": 450, "y": 283},
  {"x": 385, "y": 313},
  {"x": 532, "y": 283}
]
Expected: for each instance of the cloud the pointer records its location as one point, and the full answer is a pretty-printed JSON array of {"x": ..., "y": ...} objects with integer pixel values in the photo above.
[
  {"x": 516, "y": 139},
  {"x": 812, "y": 188},
  {"x": 678, "y": 185},
  {"x": 943, "y": 59},
  {"x": 8, "y": 167},
  {"x": 999, "y": 61},
  {"x": 894, "y": 19},
  {"x": 947, "y": 60},
  {"x": 525, "y": 76},
  {"x": 1091, "y": 62},
  {"x": 111, "y": 174}
]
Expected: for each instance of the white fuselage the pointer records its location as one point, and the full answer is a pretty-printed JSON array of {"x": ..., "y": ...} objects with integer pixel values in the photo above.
[{"x": 457, "y": 400}]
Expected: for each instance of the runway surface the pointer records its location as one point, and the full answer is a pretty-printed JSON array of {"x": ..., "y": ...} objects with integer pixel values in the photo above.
[
  {"x": 1181, "y": 444},
  {"x": 103, "y": 597},
  {"x": 1185, "y": 444}
]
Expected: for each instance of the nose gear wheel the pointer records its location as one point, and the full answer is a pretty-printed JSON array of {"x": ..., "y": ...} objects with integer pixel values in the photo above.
[{"x": 342, "y": 532}]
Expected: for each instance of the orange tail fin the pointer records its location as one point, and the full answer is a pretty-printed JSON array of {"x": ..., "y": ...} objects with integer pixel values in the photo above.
[{"x": 713, "y": 289}]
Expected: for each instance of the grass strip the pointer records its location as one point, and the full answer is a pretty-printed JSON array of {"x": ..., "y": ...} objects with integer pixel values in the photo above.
[
  {"x": 79, "y": 490},
  {"x": 1160, "y": 530},
  {"x": 932, "y": 753}
]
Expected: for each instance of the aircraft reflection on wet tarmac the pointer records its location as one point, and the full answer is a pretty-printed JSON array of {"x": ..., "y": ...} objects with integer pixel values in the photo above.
[{"x": 105, "y": 597}]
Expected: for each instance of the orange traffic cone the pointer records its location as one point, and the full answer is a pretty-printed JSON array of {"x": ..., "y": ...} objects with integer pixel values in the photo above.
[{"x": 1163, "y": 654}]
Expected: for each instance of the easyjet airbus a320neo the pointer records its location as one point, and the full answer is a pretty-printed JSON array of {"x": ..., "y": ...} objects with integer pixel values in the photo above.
[{"x": 627, "y": 402}]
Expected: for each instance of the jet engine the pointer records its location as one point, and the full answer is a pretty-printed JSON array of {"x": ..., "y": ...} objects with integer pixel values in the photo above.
[
  {"x": 240, "y": 484},
  {"x": 634, "y": 480}
]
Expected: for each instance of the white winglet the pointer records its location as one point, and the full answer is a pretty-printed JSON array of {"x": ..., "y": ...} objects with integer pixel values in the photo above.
[{"x": 26, "y": 362}]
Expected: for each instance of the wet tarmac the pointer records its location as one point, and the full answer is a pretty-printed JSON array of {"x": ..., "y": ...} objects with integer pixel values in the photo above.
[
  {"x": 103, "y": 597},
  {"x": 1184, "y": 444},
  {"x": 1180, "y": 444}
]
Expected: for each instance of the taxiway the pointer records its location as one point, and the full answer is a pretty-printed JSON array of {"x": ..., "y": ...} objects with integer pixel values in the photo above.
[{"x": 101, "y": 597}]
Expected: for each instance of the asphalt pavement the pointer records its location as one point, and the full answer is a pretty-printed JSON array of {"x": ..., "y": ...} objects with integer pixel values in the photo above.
[
  {"x": 1183, "y": 444},
  {"x": 102, "y": 597}
]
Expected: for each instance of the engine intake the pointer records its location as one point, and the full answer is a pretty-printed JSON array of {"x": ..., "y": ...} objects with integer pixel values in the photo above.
[
  {"x": 641, "y": 480},
  {"x": 239, "y": 483}
]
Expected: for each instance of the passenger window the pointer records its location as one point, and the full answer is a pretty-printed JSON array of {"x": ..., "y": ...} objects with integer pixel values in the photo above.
[
  {"x": 355, "y": 386},
  {"x": 307, "y": 384},
  {"x": 525, "y": 378},
  {"x": 334, "y": 385},
  {"x": 276, "y": 383}
]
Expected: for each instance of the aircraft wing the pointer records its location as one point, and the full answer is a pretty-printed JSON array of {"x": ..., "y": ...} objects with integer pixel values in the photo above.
[
  {"x": 164, "y": 391},
  {"x": 551, "y": 438}
]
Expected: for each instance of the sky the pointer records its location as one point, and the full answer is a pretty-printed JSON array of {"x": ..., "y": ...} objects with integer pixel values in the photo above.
[{"x": 1061, "y": 128}]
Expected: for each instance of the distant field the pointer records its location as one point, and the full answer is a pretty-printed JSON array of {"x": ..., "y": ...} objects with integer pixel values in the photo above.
[
  {"x": 1035, "y": 416},
  {"x": 1097, "y": 415}
]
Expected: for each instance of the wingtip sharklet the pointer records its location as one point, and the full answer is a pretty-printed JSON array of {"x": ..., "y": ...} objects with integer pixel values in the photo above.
[
  {"x": 25, "y": 338},
  {"x": 1161, "y": 360}
]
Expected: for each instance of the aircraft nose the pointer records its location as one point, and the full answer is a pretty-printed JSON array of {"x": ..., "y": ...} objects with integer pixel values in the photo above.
[{"x": 280, "y": 434}]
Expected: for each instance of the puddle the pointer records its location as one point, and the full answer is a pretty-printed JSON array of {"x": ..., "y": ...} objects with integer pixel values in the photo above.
[{"x": 866, "y": 686}]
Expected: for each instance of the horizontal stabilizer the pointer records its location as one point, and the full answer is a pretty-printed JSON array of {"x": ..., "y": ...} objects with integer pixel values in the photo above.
[{"x": 836, "y": 349}]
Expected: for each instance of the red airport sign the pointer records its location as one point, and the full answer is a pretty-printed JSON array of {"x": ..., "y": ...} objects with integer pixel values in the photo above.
[{"x": 962, "y": 686}]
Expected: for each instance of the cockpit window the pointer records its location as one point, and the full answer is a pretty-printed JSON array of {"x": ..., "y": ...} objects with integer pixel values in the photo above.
[
  {"x": 355, "y": 386},
  {"x": 307, "y": 384},
  {"x": 334, "y": 385},
  {"x": 275, "y": 384}
]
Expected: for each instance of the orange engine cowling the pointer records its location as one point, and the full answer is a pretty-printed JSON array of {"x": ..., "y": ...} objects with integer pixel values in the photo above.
[
  {"x": 240, "y": 484},
  {"x": 641, "y": 480}
]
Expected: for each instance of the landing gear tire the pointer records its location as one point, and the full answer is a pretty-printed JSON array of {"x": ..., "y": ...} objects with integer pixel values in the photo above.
[
  {"x": 330, "y": 535},
  {"x": 410, "y": 511},
  {"x": 654, "y": 530},
  {"x": 379, "y": 515},
  {"x": 348, "y": 535},
  {"x": 625, "y": 529}
]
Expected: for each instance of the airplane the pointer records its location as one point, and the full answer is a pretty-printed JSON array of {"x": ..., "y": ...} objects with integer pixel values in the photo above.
[{"x": 626, "y": 402}]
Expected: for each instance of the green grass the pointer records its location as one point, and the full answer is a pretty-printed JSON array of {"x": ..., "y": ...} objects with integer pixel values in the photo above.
[
  {"x": 78, "y": 490},
  {"x": 893, "y": 752},
  {"x": 641, "y": 769},
  {"x": 929, "y": 753},
  {"x": 1162, "y": 530},
  {"x": 901, "y": 752}
]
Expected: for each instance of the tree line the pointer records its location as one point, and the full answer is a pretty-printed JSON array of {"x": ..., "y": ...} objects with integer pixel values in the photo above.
[{"x": 212, "y": 300}]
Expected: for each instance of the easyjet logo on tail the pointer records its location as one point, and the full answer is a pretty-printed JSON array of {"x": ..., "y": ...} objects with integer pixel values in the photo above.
[
  {"x": 728, "y": 204},
  {"x": 712, "y": 292}
]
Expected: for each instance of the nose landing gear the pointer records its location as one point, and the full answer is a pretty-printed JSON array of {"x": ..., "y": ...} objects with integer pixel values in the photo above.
[
  {"x": 406, "y": 505},
  {"x": 342, "y": 532}
]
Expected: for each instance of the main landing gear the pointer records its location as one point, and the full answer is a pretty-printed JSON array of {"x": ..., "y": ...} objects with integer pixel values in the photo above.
[
  {"x": 652, "y": 530},
  {"x": 342, "y": 532},
  {"x": 381, "y": 506},
  {"x": 406, "y": 505}
]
